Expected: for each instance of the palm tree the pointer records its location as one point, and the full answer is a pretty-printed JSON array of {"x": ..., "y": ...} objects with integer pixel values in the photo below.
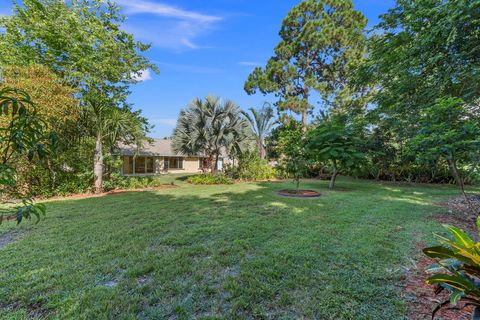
[
  {"x": 261, "y": 122},
  {"x": 207, "y": 127},
  {"x": 110, "y": 123}
]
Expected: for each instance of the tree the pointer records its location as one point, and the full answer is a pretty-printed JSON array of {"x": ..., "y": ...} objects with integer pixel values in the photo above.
[
  {"x": 261, "y": 122},
  {"x": 424, "y": 51},
  {"x": 59, "y": 113},
  {"x": 335, "y": 140},
  {"x": 110, "y": 124},
  {"x": 450, "y": 129},
  {"x": 22, "y": 134},
  {"x": 207, "y": 127},
  {"x": 82, "y": 41},
  {"x": 291, "y": 150},
  {"x": 320, "y": 40}
]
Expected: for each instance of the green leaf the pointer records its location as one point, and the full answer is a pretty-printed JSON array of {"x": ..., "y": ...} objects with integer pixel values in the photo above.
[
  {"x": 461, "y": 237},
  {"x": 453, "y": 280},
  {"x": 439, "y": 252},
  {"x": 456, "y": 296}
]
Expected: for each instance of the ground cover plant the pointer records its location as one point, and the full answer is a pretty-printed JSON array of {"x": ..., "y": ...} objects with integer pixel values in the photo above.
[
  {"x": 209, "y": 179},
  {"x": 231, "y": 251}
]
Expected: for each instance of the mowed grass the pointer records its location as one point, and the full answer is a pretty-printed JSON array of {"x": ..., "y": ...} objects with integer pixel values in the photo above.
[{"x": 220, "y": 252}]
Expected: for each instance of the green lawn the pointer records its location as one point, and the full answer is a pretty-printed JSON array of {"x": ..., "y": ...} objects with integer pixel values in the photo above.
[{"x": 209, "y": 252}]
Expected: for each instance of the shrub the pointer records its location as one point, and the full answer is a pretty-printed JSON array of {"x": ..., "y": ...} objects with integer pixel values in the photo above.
[
  {"x": 251, "y": 167},
  {"x": 117, "y": 181},
  {"x": 209, "y": 179},
  {"x": 457, "y": 269}
]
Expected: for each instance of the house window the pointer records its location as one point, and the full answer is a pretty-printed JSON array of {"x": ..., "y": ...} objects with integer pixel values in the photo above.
[
  {"x": 150, "y": 165},
  {"x": 174, "y": 163},
  {"x": 138, "y": 165},
  {"x": 127, "y": 165}
]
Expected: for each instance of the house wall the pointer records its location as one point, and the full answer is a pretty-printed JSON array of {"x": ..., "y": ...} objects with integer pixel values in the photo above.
[{"x": 190, "y": 165}]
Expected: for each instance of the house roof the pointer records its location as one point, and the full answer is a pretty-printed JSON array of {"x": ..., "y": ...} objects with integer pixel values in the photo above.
[{"x": 157, "y": 148}]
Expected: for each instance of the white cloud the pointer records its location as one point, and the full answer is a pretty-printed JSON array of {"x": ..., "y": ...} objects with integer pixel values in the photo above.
[
  {"x": 144, "y": 75},
  {"x": 135, "y": 7},
  {"x": 177, "y": 29},
  {"x": 249, "y": 64},
  {"x": 168, "y": 122}
]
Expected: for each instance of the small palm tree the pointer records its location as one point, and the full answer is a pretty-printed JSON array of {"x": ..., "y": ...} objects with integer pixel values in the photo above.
[
  {"x": 109, "y": 123},
  {"x": 207, "y": 127},
  {"x": 261, "y": 122}
]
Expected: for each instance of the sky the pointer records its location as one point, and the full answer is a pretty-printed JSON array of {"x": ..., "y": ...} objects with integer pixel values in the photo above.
[{"x": 205, "y": 47}]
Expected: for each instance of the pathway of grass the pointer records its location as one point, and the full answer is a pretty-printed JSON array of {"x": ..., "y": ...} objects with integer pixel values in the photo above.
[{"x": 210, "y": 252}]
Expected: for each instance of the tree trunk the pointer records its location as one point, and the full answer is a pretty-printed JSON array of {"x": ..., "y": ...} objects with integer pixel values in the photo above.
[
  {"x": 456, "y": 174},
  {"x": 334, "y": 176},
  {"x": 216, "y": 162},
  {"x": 53, "y": 175},
  {"x": 261, "y": 149},
  {"x": 304, "y": 121},
  {"x": 98, "y": 165},
  {"x": 211, "y": 159},
  {"x": 459, "y": 180}
]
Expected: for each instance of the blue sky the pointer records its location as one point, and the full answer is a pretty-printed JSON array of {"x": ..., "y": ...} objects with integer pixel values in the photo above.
[{"x": 205, "y": 47}]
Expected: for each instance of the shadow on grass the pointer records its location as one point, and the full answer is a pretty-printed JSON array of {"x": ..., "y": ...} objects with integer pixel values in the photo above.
[{"x": 234, "y": 251}]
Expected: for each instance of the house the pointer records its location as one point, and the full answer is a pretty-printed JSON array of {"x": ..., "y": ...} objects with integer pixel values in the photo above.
[{"x": 158, "y": 157}]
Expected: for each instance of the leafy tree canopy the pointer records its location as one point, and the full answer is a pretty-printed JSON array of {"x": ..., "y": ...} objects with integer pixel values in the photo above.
[
  {"x": 449, "y": 129},
  {"x": 335, "y": 140},
  {"x": 320, "y": 39},
  {"x": 424, "y": 51}
]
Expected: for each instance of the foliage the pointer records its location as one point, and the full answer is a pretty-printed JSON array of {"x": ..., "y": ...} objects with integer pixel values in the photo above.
[
  {"x": 449, "y": 129},
  {"x": 335, "y": 140},
  {"x": 23, "y": 134},
  {"x": 59, "y": 113},
  {"x": 426, "y": 50},
  {"x": 118, "y": 182},
  {"x": 209, "y": 126},
  {"x": 422, "y": 55},
  {"x": 320, "y": 40},
  {"x": 82, "y": 42},
  {"x": 457, "y": 269},
  {"x": 251, "y": 168},
  {"x": 382, "y": 153},
  {"x": 261, "y": 122},
  {"x": 209, "y": 179},
  {"x": 291, "y": 148}
]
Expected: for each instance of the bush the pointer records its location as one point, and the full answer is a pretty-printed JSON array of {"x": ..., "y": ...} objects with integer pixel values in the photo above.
[
  {"x": 251, "y": 167},
  {"x": 209, "y": 179},
  {"x": 121, "y": 182},
  {"x": 457, "y": 270}
]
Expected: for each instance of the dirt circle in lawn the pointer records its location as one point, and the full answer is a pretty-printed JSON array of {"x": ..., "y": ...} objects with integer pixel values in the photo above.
[{"x": 299, "y": 194}]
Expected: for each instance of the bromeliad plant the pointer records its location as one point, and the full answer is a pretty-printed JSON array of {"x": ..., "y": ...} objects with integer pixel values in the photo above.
[{"x": 457, "y": 270}]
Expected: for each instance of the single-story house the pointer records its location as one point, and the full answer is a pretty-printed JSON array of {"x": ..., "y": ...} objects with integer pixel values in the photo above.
[{"x": 158, "y": 157}]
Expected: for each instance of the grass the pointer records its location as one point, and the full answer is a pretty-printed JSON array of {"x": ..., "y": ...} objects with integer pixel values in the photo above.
[{"x": 209, "y": 252}]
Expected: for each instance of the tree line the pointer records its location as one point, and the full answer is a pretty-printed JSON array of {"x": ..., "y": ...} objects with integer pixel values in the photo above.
[
  {"x": 76, "y": 64},
  {"x": 398, "y": 102}
]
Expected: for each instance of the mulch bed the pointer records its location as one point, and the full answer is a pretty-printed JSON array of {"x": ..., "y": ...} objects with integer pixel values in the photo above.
[
  {"x": 421, "y": 297},
  {"x": 299, "y": 194}
]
